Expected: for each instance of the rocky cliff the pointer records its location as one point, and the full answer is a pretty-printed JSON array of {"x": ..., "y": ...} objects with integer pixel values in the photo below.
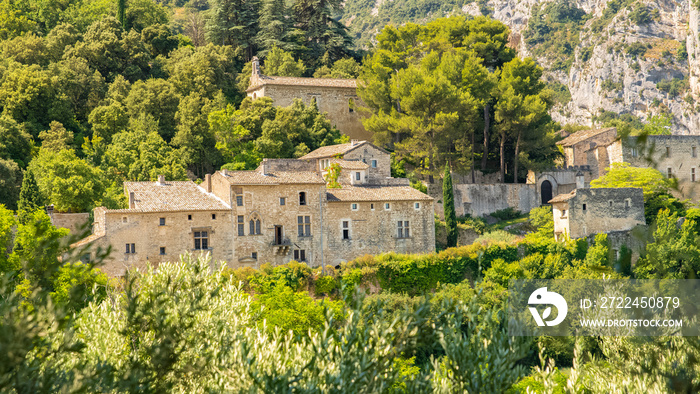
[{"x": 635, "y": 58}]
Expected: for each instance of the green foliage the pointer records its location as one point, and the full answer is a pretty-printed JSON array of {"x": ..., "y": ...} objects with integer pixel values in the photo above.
[
  {"x": 448, "y": 205},
  {"x": 326, "y": 285},
  {"x": 506, "y": 214},
  {"x": 10, "y": 181},
  {"x": 15, "y": 142},
  {"x": 673, "y": 87},
  {"x": 7, "y": 222},
  {"x": 561, "y": 93},
  {"x": 637, "y": 49},
  {"x": 640, "y": 15},
  {"x": 599, "y": 254},
  {"x": 29, "y": 196},
  {"x": 57, "y": 138},
  {"x": 541, "y": 219},
  {"x": 498, "y": 236},
  {"x": 658, "y": 125},
  {"x": 623, "y": 175},
  {"x": 332, "y": 176},
  {"x": 281, "y": 63},
  {"x": 77, "y": 285}
]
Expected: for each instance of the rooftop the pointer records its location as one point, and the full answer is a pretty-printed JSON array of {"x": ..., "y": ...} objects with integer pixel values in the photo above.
[
  {"x": 376, "y": 193},
  {"x": 350, "y": 164},
  {"x": 171, "y": 196},
  {"x": 256, "y": 177},
  {"x": 563, "y": 197},
  {"x": 333, "y": 150},
  {"x": 294, "y": 81},
  {"x": 583, "y": 135}
]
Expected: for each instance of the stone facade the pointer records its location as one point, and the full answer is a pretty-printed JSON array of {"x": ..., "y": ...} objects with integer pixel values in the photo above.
[
  {"x": 583, "y": 212},
  {"x": 336, "y": 97},
  {"x": 576, "y": 146},
  {"x": 74, "y": 222},
  {"x": 478, "y": 200},
  {"x": 281, "y": 211}
]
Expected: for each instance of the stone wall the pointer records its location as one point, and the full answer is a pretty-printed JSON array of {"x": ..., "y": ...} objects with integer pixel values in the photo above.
[
  {"x": 480, "y": 199},
  {"x": 75, "y": 222},
  {"x": 576, "y": 154},
  {"x": 366, "y": 154},
  {"x": 634, "y": 240},
  {"x": 335, "y": 101}
]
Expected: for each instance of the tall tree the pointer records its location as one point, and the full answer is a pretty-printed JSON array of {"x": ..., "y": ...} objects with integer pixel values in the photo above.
[
  {"x": 29, "y": 196},
  {"x": 235, "y": 23},
  {"x": 448, "y": 205},
  {"x": 274, "y": 28},
  {"x": 121, "y": 12},
  {"x": 10, "y": 176},
  {"x": 321, "y": 32}
]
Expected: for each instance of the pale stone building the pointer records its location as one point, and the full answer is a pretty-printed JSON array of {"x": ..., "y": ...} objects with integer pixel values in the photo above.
[
  {"x": 336, "y": 97},
  {"x": 583, "y": 212},
  {"x": 281, "y": 211}
]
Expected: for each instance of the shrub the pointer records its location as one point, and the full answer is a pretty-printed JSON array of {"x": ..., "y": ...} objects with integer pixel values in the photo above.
[
  {"x": 640, "y": 15},
  {"x": 326, "y": 285},
  {"x": 507, "y": 214}
]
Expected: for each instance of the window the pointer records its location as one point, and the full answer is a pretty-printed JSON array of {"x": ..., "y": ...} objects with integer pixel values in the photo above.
[
  {"x": 254, "y": 255},
  {"x": 131, "y": 248},
  {"x": 692, "y": 174},
  {"x": 693, "y": 152},
  {"x": 189, "y": 217},
  {"x": 371, "y": 206},
  {"x": 254, "y": 226},
  {"x": 610, "y": 203},
  {"x": 346, "y": 229},
  {"x": 627, "y": 203},
  {"x": 239, "y": 200},
  {"x": 404, "y": 231},
  {"x": 283, "y": 201},
  {"x": 387, "y": 206},
  {"x": 162, "y": 221},
  {"x": 668, "y": 151},
  {"x": 302, "y": 198},
  {"x": 162, "y": 250},
  {"x": 635, "y": 153},
  {"x": 241, "y": 226},
  {"x": 304, "y": 226},
  {"x": 584, "y": 207},
  {"x": 201, "y": 240},
  {"x": 563, "y": 213},
  {"x": 351, "y": 105},
  {"x": 358, "y": 177},
  {"x": 416, "y": 206},
  {"x": 374, "y": 164},
  {"x": 124, "y": 219},
  {"x": 300, "y": 255},
  {"x": 354, "y": 206},
  {"x": 669, "y": 172},
  {"x": 213, "y": 216}
]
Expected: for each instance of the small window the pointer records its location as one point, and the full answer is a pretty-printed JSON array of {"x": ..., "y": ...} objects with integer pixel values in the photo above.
[
  {"x": 300, "y": 255},
  {"x": 254, "y": 255},
  {"x": 304, "y": 226},
  {"x": 346, "y": 229},
  {"x": 669, "y": 172},
  {"x": 162, "y": 250},
  {"x": 358, "y": 177},
  {"x": 131, "y": 248},
  {"x": 213, "y": 216},
  {"x": 610, "y": 203},
  {"x": 239, "y": 200},
  {"x": 668, "y": 151},
  {"x": 283, "y": 201},
  {"x": 416, "y": 206},
  {"x": 693, "y": 152},
  {"x": 403, "y": 229},
  {"x": 374, "y": 164},
  {"x": 692, "y": 174},
  {"x": 124, "y": 219},
  {"x": 627, "y": 203},
  {"x": 241, "y": 226},
  {"x": 563, "y": 213},
  {"x": 189, "y": 217},
  {"x": 201, "y": 240},
  {"x": 354, "y": 206},
  {"x": 162, "y": 221},
  {"x": 302, "y": 198},
  {"x": 635, "y": 153},
  {"x": 371, "y": 206},
  {"x": 584, "y": 207},
  {"x": 387, "y": 206}
]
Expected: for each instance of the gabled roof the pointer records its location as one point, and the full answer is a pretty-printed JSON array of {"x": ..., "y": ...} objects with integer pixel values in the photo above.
[
  {"x": 256, "y": 177},
  {"x": 262, "y": 80},
  {"x": 339, "y": 149},
  {"x": 350, "y": 164},
  {"x": 563, "y": 197},
  {"x": 376, "y": 193},
  {"x": 582, "y": 135},
  {"x": 171, "y": 196}
]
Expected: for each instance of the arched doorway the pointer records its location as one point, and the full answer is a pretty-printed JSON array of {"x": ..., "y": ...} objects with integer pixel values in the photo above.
[{"x": 546, "y": 191}]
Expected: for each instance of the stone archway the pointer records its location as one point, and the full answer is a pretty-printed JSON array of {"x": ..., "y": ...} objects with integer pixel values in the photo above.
[{"x": 546, "y": 191}]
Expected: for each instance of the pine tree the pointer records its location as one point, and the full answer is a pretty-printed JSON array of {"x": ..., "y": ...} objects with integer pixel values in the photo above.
[
  {"x": 448, "y": 204},
  {"x": 121, "y": 12},
  {"x": 322, "y": 33},
  {"x": 29, "y": 196},
  {"x": 274, "y": 29},
  {"x": 235, "y": 23}
]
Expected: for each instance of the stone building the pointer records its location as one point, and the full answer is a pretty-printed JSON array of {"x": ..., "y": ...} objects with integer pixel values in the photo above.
[
  {"x": 583, "y": 212},
  {"x": 336, "y": 97},
  {"x": 577, "y": 146},
  {"x": 281, "y": 211}
]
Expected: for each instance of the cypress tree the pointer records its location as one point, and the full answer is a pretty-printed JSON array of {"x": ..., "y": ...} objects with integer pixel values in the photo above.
[
  {"x": 448, "y": 204},
  {"x": 29, "y": 196},
  {"x": 121, "y": 12}
]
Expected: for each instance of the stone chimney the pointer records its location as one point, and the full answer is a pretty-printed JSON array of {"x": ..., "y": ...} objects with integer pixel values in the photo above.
[
  {"x": 580, "y": 180},
  {"x": 207, "y": 182},
  {"x": 161, "y": 179},
  {"x": 354, "y": 142},
  {"x": 256, "y": 67},
  {"x": 132, "y": 203},
  {"x": 265, "y": 168}
]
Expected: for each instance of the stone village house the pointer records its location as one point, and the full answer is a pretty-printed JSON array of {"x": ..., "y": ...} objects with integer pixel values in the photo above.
[{"x": 281, "y": 211}]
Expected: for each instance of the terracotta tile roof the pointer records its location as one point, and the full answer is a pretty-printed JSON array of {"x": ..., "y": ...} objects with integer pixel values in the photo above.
[
  {"x": 376, "y": 193},
  {"x": 256, "y": 177},
  {"x": 171, "y": 196},
  {"x": 582, "y": 136},
  {"x": 87, "y": 240},
  {"x": 350, "y": 164},
  {"x": 563, "y": 197},
  {"x": 340, "y": 149},
  {"x": 292, "y": 81}
]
